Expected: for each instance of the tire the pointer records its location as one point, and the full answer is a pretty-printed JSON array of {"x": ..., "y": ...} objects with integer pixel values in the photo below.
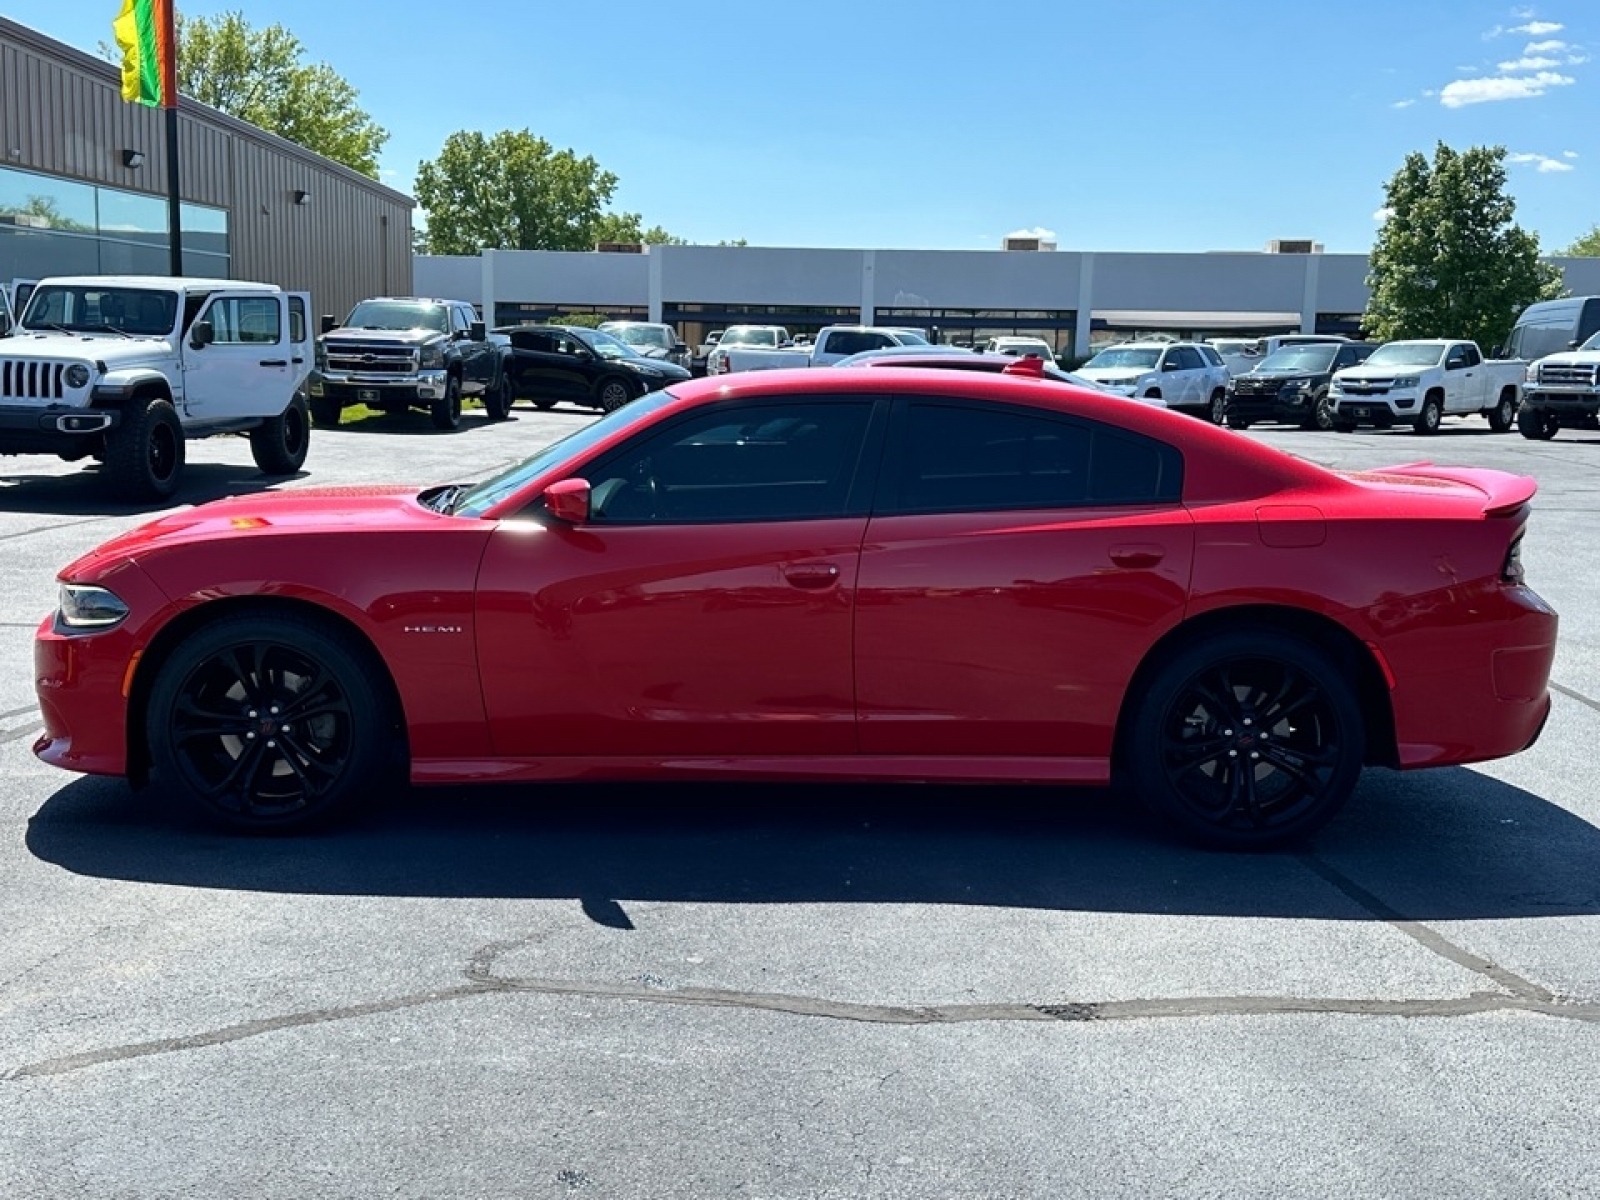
[
  {"x": 268, "y": 722},
  {"x": 497, "y": 400},
  {"x": 1217, "y": 407},
  {"x": 1321, "y": 416},
  {"x": 612, "y": 393},
  {"x": 1536, "y": 424},
  {"x": 1504, "y": 415},
  {"x": 543, "y": 403},
  {"x": 446, "y": 410},
  {"x": 1238, "y": 422},
  {"x": 326, "y": 411},
  {"x": 1427, "y": 422},
  {"x": 1247, "y": 740},
  {"x": 145, "y": 454},
  {"x": 279, "y": 446}
]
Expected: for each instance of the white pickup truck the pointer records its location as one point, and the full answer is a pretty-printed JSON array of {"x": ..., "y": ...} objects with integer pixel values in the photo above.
[
  {"x": 833, "y": 343},
  {"x": 1419, "y": 382},
  {"x": 125, "y": 368}
]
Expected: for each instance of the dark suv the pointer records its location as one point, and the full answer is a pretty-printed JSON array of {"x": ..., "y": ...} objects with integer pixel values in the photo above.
[
  {"x": 551, "y": 363},
  {"x": 400, "y": 352},
  {"x": 1291, "y": 384}
]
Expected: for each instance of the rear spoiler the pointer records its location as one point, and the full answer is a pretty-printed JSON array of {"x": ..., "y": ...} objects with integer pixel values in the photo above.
[{"x": 1504, "y": 494}]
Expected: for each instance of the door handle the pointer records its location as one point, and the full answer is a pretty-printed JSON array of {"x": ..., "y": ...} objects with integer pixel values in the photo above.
[
  {"x": 297, "y": 361},
  {"x": 1137, "y": 556},
  {"x": 811, "y": 575},
  {"x": 274, "y": 362}
]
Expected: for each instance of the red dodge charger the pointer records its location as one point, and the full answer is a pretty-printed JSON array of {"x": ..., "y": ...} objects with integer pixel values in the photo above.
[{"x": 849, "y": 574}]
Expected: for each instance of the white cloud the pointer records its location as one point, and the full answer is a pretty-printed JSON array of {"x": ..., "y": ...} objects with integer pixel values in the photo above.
[
  {"x": 1545, "y": 164},
  {"x": 1537, "y": 28},
  {"x": 1530, "y": 64},
  {"x": 1569, "y": 154},
  {"x": 1382, "y": 215},
  {"x": 1402, "y": 104},
  {"x": 1462, "y": 92},
  {"x": 1544, "y": 47},
  {"x": 1044, "y": 235}
]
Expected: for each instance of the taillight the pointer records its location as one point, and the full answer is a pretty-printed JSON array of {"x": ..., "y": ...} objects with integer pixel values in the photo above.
[{"x": 1511, "y": 572}]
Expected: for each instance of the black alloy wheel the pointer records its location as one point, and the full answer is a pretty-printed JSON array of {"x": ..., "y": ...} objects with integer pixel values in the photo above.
[
  {"x": 446, "y": 410},
  {"x": 1247, "y": 741},
  {"x": 264, "y": 722},
  {"x": 145, "y": 453},
  {"x": 1537, "y": 424},
  {"x": 279, "y": 445},
  {"x": 613, "y": 393}
]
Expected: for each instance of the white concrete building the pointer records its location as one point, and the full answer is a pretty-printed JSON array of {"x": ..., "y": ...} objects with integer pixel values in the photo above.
[{"x": 1071, "y": 298}]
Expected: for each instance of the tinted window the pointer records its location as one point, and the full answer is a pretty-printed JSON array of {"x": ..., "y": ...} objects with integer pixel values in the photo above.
[
  {"x": 747, "y": 462},
  {"x": 972, "y": 458},
  {"x": 1211, "y": 356},
  {"x": 1185, "y": 358}
]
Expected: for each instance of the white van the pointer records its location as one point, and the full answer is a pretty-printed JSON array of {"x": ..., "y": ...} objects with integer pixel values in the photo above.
[{"x": 1551, "y": 327}]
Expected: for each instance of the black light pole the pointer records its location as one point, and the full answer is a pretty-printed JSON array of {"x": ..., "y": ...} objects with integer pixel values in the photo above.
[{"x": 169, "y": 101}]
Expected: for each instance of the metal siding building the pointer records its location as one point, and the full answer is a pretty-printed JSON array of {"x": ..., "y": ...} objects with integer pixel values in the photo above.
[{"x": 66, "y": 136}]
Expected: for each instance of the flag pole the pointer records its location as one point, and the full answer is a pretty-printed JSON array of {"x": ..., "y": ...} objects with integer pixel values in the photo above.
[{"x": 169, "y": 100}]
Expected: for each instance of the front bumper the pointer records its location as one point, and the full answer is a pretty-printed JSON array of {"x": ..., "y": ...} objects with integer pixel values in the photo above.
[
  {"x": 354, "y": 387},
  {"x": 1367, "y": 408},
  {"x": 1569, "y": 407},
  {"x": 1270, "y": 406},
  {"x": 53, "y": 429}
]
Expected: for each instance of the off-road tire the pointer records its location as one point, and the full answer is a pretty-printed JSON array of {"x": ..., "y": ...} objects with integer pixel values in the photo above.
[
  {"x": 1537, "y": 425},
  {"x": 145, "y": 453},
  {"x": 497, "y": 400},
  {"x": 446, "y": 410},
  {"x": 279, "y": 445}
]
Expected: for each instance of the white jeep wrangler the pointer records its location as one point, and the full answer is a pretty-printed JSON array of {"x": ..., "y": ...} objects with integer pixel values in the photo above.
[{"x": 125, "y": 368}]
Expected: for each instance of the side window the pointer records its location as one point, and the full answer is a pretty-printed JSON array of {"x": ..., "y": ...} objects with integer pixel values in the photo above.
[
  {"x": 1213, "y": 359},
  {"x": 790, "y": 461},
  {"x": 1472, "y": 356},
  {"x": 458, "y": 320},
  {"x": 1456, "y": 358},
  {"x": 297, "y": 319},
  {"x": 978, "y": 458},
  {"x": 1185, "y": 357},
  {"x": 245, "y": 320}
]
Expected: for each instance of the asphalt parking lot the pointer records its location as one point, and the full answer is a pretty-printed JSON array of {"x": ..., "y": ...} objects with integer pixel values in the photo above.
[{"x": 799, "y": 991}]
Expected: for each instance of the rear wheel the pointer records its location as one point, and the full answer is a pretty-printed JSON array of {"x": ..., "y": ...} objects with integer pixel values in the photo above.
[
  {"x": 1504, "y": 415},
  {"x": 1537, "y": 424},
  {"x": 1217, "y": 407},
  {"x": 1247, "y": 740},
  {"x": 497, "y": 400},
  {"x": 1428, "y": 418},
  {"x": 144, "y": 454},
  {"x": 279, "y": 446},
  {"x": 446, "y": 410},
  {"x": 267, "y": 722}
]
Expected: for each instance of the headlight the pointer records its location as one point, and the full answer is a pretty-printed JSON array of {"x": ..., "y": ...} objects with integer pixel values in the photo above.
[
  {"x": 1531, "y": 375},
  {"x": 1293, "y": 386},
  {"x": 77, "y": 376},
  {"x": 431, "y": 356},
  {"x": 84, "y": 606},
  {"x": 320, "y": 356},
  {"x": 1407, "y": 381}
]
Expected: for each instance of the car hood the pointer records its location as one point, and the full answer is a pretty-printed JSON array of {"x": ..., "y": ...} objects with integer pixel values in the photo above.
[
  {"x": 1382, "y": 372},
  {"x": 372, "y": 508},
  {"x": 395, "y": 337},
  {"x": 108, "y": 348},
  {"x": 1114, "y": 374},
  {"x": 1571, "y": 358}
]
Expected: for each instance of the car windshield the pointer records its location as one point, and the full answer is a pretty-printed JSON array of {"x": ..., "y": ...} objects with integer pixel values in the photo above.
[
  {"x": 1299, "y": 358},
  {"x": 399, "y": 314},
  {"x": 910, "y": 337},
  {"x": 93, "y": 309},
  {"x": 481, "y": 497},
  {"x": 605, "y": 345},
  {"x": 1124, "y": 357},
  {"x": 1592, "y": 344},
  {"x": 1401, "y": 354},
  {"x": 658, "y": 336},
  {"x": 749, "y": 337}
]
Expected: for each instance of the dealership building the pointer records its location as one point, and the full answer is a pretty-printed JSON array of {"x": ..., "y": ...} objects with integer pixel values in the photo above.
[
  {"x": 83, "y": 189},
  {"x": 1075, "y": 300}
]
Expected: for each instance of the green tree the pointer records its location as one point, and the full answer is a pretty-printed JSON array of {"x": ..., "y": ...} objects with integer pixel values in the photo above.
[
  {"x": 1449, "y": 260},
  {"x": 515, "y": 191},
  {"x": 1588, "y": 246},
  {"x": 258, "y": 76}
]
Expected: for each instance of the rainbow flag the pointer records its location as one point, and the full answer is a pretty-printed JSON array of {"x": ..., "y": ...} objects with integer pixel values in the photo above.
[{"x": 144, "y": 31}]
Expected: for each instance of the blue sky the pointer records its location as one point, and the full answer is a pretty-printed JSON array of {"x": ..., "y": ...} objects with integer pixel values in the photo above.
[{"x": 1185, "y": 127}]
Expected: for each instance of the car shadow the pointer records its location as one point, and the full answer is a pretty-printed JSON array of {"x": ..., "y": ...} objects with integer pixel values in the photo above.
[
  {"x": 82, "y": 493},
  {"x": 1443, "y": 845}
]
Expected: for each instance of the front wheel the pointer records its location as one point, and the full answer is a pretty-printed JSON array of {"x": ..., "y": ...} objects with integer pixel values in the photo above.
[
  {"x": 1321, "y": 416},
  {"x": 1503, "y": 415},
  {"x": 1247, "y": 740},
  {"x": 1428, "y": 418},
  {"x": 612, "y": 394},
  {"x": 267, "y": 722},
  {"x": 446, "y": 410},
  {"x": 1537, "y": 424},
  {"x": 144, "y": 454},
  {"x": 279, "y": 446}
]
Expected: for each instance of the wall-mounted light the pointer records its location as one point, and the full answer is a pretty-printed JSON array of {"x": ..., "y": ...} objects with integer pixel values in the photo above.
[
  {"x": 133, "y": 158},
  {"x": 302, "y": 198}
]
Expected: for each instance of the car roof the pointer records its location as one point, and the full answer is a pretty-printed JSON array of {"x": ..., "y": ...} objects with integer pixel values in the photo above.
[{"x": 165, "y": 283}]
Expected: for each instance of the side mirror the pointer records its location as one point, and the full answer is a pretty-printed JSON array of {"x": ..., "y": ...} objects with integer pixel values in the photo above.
[
  {"x": 1574, "y": 344},
  {"x": 201, "y": 334},
  {"x": 586, "y": 355},
  {"x": 1497, "y": 352},
  {"x": 328, "y": 323},
  {"x": 478, "y": 331},
  {"x": 568, "y": 500}
]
